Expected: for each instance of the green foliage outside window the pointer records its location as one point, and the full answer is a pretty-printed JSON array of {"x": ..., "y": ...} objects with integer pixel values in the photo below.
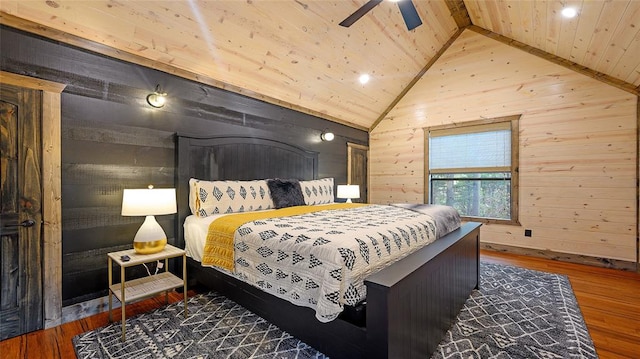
[{"x": 485, "y": 195}]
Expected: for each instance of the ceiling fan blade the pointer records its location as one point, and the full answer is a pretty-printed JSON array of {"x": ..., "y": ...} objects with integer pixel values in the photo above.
[
  {"x": 409, "y": 14},
  {"x": 360, "y": 13}
]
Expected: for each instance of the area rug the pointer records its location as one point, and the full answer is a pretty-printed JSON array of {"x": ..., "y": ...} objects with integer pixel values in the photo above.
[{"x": 518, "y": 313}]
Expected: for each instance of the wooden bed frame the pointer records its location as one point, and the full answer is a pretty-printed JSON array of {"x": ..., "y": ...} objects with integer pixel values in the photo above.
[{"x": 410, "y": 304}]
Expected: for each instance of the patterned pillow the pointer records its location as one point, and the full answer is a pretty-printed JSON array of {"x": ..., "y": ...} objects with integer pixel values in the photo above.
[
  {"x": 216, "y": 197},
  {"x": 317, "y": 191}
]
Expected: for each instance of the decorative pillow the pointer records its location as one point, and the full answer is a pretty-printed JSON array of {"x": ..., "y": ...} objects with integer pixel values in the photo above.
[
  {"x": 317, "y": 191},
  {"x": 285, "y": 192},
  {"x": 216, "y": 197}
]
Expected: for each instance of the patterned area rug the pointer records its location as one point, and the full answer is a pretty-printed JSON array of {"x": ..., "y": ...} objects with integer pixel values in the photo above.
[{"x": 518, "y": 313}]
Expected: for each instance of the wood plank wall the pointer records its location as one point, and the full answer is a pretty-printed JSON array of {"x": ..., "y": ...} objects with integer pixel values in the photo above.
[
  {"x": 111, "y": 140},
  {"x": 578, "y": 140}
]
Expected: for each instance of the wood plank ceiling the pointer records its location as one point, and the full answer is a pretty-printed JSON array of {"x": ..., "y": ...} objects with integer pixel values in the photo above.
[{"x": 293, "y": 53}]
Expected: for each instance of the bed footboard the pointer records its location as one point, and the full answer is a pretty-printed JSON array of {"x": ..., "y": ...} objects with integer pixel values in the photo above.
[{"x": 412, "y": 303}]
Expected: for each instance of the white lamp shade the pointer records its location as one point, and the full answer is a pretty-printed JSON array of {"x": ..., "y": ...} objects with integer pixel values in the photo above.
[
  {"x": 148, "y": 202},
  {"x": 348, "y": 191}
]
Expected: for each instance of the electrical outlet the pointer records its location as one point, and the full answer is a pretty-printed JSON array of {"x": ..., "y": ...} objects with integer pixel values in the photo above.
[{"x": 527, "y": 233}]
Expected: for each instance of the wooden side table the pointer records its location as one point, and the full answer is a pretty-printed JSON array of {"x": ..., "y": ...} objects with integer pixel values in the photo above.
[{"x": 146, "y": 286}]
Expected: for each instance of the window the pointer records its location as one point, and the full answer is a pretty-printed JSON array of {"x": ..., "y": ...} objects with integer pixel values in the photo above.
[{"x": 474, "y": 168}]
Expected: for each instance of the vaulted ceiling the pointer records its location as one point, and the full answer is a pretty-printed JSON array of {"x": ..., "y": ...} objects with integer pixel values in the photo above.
[{"x": 295, "y": 54}]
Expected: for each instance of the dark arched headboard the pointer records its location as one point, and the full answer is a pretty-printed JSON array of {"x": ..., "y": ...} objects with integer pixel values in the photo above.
[{"x": 235, "y": 158}]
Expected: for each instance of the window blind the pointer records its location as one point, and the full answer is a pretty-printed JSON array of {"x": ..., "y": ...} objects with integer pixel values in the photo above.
[{"x": 490, "y": 150}]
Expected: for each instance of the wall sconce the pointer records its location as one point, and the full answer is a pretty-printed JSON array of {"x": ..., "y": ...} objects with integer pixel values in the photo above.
[
  {"x": 157, "y": 98},
  {"x": 327, "y": 136}
]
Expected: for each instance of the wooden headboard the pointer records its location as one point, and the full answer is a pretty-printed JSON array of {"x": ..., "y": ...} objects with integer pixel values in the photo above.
[{"x": 235, "y": 158}]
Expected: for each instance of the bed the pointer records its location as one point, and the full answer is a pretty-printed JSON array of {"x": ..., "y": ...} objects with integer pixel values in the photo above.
[{"x": 410, "y": 304}]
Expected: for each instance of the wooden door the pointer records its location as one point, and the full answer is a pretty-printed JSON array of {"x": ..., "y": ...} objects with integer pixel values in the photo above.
[
  {"x": 20, "y": 211},
  {"x": 357, "y": 171}
]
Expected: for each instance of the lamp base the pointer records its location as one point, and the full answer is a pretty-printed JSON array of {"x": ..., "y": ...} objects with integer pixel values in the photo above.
[
  {"x": 149, "y": 247},
  {"x": 146, "y": 240}
]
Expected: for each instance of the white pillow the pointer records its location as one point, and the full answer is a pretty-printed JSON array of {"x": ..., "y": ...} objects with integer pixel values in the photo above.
[
  {"x": 317, "y": 191},
  {"x": 216, "y": 197}
]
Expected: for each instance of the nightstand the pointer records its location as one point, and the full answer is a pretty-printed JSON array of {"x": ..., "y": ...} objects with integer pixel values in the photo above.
[{"x": 129, "y": 291}]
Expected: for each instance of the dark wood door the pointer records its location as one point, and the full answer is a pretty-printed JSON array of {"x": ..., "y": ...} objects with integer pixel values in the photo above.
[
  {"x": 357, "y": 172},
  {"x": 20, "y": 212}
]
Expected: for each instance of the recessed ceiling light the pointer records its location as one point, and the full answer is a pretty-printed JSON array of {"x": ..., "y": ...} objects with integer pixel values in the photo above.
[
  {"x": 569, "y": 12},
  {"x": 364, "y": 78}
]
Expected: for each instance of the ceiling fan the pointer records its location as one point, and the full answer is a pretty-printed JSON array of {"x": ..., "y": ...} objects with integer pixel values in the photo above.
[{"x": 407, "y": 9}]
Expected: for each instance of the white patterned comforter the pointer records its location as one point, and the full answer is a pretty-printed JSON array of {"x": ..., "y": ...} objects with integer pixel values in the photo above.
[{"x": 320, "y": 260}]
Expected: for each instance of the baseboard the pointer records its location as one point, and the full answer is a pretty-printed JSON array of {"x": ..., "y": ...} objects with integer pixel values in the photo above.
[
  {"x": 86, "y": 309},
  {"x": 563, "y": 257}
]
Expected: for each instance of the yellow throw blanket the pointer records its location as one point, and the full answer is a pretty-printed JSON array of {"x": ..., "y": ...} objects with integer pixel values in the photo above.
[{"x": 218, "y": 249}]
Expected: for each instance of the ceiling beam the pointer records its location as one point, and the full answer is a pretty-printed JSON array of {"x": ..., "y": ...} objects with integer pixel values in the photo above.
[
  {"x": 459, "y": 12},
  {"x": 609, "y": 80},
  {"x": 415, "y": 79},
  {"x": 463, "y": 20}
]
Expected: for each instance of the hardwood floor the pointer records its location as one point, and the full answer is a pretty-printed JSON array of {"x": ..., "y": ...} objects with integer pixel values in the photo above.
[
  {"x": 56, "y": 342},
  {"x": 609, "y": 300}
]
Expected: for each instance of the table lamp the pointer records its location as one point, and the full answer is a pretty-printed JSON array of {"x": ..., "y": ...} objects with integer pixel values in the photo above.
[
  {"x": 348, "y": 191},
  {"x": 149, "y": 202}
]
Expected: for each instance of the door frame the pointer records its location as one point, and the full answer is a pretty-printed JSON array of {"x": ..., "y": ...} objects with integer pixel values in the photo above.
[
  {"x": 350, "y": 147},
  {"x": 51, "y": 192}
]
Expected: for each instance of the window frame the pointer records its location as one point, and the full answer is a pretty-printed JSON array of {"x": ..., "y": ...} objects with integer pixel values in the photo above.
[{"x": 511, "y": 122}]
